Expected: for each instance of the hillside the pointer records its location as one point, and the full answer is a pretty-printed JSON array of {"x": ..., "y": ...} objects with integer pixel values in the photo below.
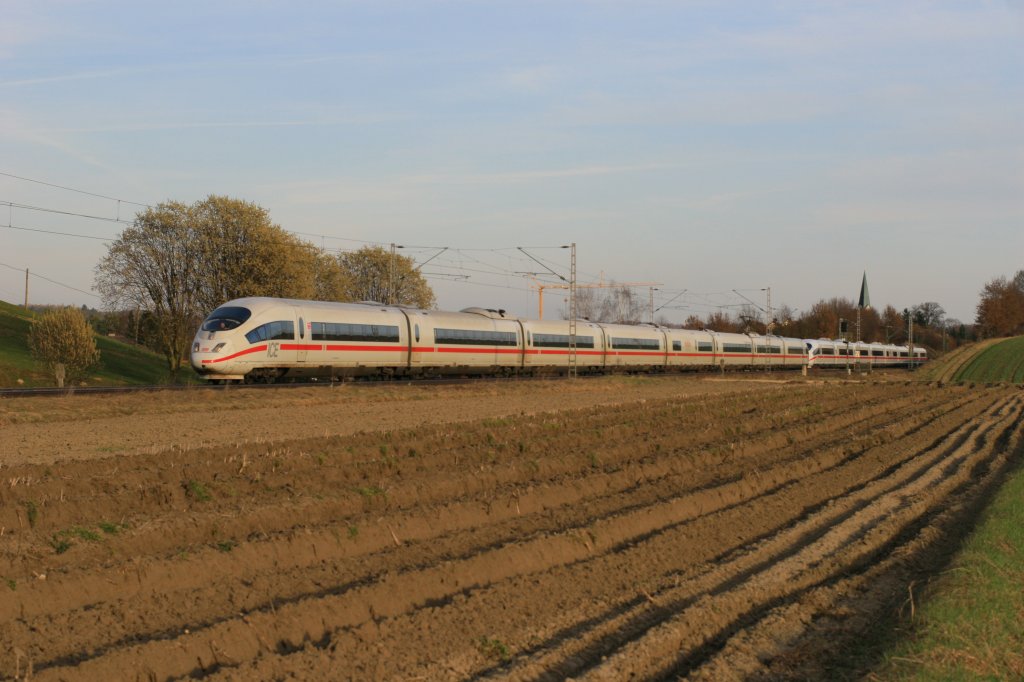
[
  {"x": 946, "y": 367},
  {"x": 120, "y": 363},
  {"x": 1001, "y": 360}
]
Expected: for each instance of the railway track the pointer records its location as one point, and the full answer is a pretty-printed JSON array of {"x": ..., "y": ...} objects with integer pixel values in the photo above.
[
  {"x": 372, "y": 382},
  {"x": 156, "y": 388}
]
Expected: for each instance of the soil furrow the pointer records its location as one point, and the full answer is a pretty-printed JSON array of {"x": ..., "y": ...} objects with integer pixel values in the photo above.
[
  {"x": 587, "y": 540},
  {"x": 846, "y": 544},
  {"x": 208, "y": 595},
  {"x": 434, "y": 615}
]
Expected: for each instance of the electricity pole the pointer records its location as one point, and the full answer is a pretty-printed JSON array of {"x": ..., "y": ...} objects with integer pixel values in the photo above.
[
  {"x": 26, "y": 288},
  {"x": 910, "y": 339},
  {"x": 572, "y": 312},
  {"x": 391, "y": 277}
]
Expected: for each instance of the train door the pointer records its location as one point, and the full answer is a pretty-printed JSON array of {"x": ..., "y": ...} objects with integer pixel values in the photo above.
[
  {"x": 303, "y": 331},
  {"x": 601, "y": 343}
]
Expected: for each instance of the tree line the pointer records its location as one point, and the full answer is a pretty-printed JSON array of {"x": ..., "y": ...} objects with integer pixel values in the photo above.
[
  {"x": 827, "y": 318},
  {"x": 177, "y": 262},
  {"x": 1001, "y": 308}
]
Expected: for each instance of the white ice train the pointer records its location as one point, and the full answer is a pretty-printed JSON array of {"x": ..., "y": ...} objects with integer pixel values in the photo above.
[{"x": 262, "y": 340}]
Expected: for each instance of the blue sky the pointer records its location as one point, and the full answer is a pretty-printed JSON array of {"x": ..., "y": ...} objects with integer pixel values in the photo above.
[{"x": 705, "y": 146}]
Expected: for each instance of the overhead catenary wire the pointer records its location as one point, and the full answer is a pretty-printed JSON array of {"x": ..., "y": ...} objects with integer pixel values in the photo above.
[
  {"x": 78, "y": 191},
  {"x": 51, "y": 280},
  {"x": 451, "y": 261},
  {"x": 43, "y": 209},
  {"x": 57, "y": 233}
]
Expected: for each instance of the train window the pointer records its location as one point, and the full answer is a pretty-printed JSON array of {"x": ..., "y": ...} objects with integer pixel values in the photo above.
[
  {"x": 474, "y": 337},
  {"x": 828, "y": 351},
  {"x": 417, "y": 330},
  {"x": 302, "y": 329},
  {"x": 284, "y": 329},
  {"x": 795, "y": 350},
  {"x": 340, "y": 331},
  {"x": 227, "y": 317},
  {"x": 877, "y": 353},
  {"x": 281, "y": 330},
  {"x": 677, "y": 345},
  {"x": 704, "y": 346},
  {"x": 635, "y": 344},
  {"x": 769, "y": 350},
  {"x": 736, "y": 347},
  {"x": 561, "y": 341},
  {"x": 258, "y": 334}
]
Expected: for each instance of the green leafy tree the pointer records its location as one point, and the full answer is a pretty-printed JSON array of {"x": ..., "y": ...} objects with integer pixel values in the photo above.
[
  {"x": 331, "y": 281},
  {"x": 243, "y": 253},
  {"x": 178, "y": 262},
  {"x": 373, "y": 274},
  {"x": 63, "y": 339}
]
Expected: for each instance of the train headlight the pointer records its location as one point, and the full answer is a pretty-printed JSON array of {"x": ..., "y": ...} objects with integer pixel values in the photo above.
[
  {"x": 195, "y": 347},
  {"x": 218, "y": 347}
]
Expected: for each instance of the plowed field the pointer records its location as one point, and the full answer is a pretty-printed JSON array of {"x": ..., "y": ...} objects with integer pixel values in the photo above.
[{"x": 622, "y": 529}]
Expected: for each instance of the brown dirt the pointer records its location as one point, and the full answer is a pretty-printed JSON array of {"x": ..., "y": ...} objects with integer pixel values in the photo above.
[{"x": 609, "y": 529}]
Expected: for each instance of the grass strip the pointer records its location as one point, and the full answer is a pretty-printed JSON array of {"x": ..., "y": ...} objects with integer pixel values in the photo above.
[
  {"x": 1003, "y": 361},
  {"x": 970, "y": 624}
]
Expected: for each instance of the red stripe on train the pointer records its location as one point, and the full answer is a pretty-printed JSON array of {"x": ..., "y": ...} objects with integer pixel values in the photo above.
[{"x": 254, "y": 349}]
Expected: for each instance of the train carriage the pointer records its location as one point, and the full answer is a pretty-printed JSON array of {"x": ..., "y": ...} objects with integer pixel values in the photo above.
[
  {"x": 357, "y": 339},
  {"x": 733, "y": 350},
  {"x": 473, "y": 340},
  {"x": 821, "y": 353},
  {"x": 547, "y": 345},
  {"x": 767, "y": 350},
  {"x": 634, "y": 346},
  {"x": 690, "y": 348}
]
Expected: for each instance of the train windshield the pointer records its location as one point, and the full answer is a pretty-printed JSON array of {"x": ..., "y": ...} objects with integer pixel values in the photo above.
[{"x": 225, "y": 318}]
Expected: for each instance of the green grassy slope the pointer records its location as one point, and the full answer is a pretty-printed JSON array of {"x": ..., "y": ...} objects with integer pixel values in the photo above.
[
  {"x": 971, "y": 623},
  {"x": 944, "y": 368},
  {"x": 1003, "y": 361},
  {"x": 120, "y": 363}
]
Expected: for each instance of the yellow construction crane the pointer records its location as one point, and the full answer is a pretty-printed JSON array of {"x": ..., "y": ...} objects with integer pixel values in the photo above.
[{"x": 601, "y": 284}]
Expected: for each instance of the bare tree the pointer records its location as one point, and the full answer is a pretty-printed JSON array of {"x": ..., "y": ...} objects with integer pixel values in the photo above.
[
  {"x": 929, "y": 314},
  {"x": 588, "y": 305},
  {"x": 156, "y": 265},
  {"x": 621, "y": 305},
  {"x": 693, "y": 322}
]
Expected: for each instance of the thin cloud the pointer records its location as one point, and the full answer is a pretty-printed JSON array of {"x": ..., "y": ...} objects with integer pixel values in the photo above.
[
  {"x": 13, "y": 128},
  {"x": 545, "y": 174},
  {"x": 156, "y": 127}
]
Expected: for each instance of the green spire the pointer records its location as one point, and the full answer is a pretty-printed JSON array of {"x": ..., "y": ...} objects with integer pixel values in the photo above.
[{"x": 865, "y": 297}]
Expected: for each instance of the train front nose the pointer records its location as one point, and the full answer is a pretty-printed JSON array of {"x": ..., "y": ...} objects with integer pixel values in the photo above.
[{"x": 207, "y": 349}]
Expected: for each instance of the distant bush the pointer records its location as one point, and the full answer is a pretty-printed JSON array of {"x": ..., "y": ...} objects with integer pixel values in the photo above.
[{"x": 63, "y": 340}]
